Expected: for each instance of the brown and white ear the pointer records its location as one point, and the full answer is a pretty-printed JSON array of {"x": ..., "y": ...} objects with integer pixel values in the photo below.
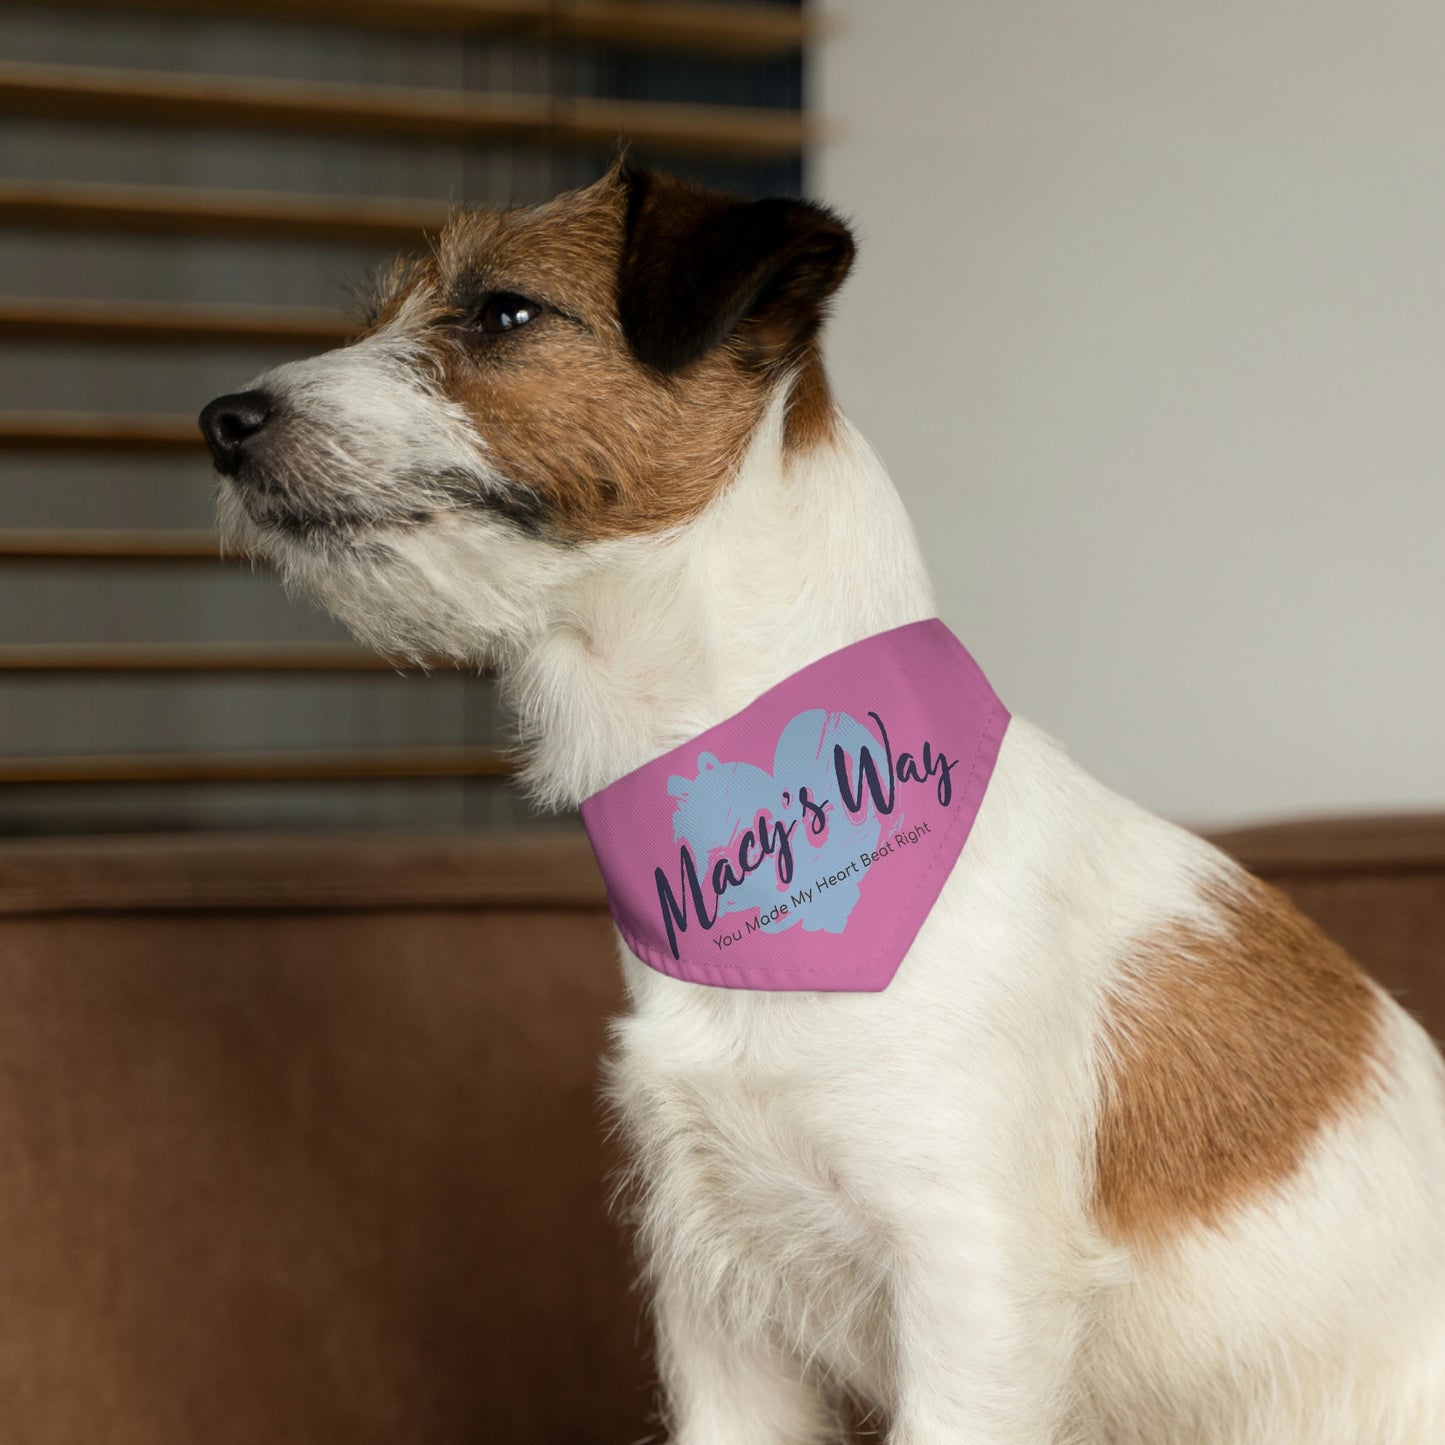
[{"x": 699, "y": 267}]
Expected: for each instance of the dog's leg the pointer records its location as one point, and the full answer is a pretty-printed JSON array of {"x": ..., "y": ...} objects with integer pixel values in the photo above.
[
  {"x": 720, "y": 1389},
  {"x": 986, "y": 1348}
]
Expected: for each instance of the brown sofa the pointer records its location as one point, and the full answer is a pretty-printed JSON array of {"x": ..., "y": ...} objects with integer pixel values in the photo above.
[{"x": 299, "y": 1141}]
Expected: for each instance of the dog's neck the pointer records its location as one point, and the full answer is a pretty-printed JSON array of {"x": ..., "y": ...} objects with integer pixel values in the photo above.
[{"x": 804, "y": 553}]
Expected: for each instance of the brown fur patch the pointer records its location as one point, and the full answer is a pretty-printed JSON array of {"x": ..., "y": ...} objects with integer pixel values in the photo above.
[
  {"x": 812, "y": 413},
  {"x": 1228, "y": 1051},
  {"x": 596, "y": 443}
]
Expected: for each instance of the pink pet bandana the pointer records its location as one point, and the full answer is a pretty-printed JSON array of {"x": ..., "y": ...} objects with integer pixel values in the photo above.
[{"x": 801, "y": 843}]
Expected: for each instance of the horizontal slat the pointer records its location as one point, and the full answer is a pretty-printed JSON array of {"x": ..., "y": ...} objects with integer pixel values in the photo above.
[
  {"x": 245, "y": 657},
  {"x": 106, "y": 546},
  {"x": 1386, "y": 843},
  {"x": 173, "y": 211},
  {"x": 159, "y": 98},
  {"x": 94, "y": 431},
  {"x": 168, "y": 323},
  {"x": 317, "y": 871},
  {"x": 705, "y": 29},
  {"x": 266, "y": 767}
]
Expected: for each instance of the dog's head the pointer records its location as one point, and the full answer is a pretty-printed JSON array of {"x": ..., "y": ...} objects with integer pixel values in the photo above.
[{"x": 546, "y": 382}]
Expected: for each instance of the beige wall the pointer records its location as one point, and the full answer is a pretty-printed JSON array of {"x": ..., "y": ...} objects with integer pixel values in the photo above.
[{"x": 1149, "y": 324}]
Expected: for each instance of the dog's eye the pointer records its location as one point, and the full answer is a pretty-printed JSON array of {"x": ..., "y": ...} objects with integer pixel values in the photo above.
[{"x": 505, "y": 311}]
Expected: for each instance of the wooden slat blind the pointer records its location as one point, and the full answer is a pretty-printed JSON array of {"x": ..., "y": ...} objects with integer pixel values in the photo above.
[
  {"x": 70, "y": 659},
  {"x": 172, "y": 323},
  {"x": 706, "y": 29},
  {"x": 258, "y": 767},
  {"x": 109, "y": 546},
  {"x": 317, "y": 107},
  {"x": 170, "y": 210},
  {"x": 93, "y": 431},
  {"x": 549, "y": 124}
]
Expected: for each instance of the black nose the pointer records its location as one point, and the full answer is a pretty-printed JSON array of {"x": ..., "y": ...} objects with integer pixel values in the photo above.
[{"x": 229, "y": 422}]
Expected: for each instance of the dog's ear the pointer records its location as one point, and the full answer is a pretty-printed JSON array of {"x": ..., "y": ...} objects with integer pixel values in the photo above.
[{"x": 699, "y": 267}]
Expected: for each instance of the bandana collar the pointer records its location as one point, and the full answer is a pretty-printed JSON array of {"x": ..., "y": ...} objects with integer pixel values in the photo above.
[{"x": 801, "y": 843}]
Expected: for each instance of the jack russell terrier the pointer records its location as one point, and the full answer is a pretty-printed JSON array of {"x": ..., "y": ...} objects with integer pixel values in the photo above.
[{"x": 955, "y": 1085}]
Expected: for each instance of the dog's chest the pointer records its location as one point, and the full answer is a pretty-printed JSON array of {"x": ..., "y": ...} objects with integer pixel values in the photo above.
[{"x": 748, "y": 1186}]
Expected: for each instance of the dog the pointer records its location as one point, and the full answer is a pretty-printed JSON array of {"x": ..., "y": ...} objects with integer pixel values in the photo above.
[{"x": 1126, "y": 1152}]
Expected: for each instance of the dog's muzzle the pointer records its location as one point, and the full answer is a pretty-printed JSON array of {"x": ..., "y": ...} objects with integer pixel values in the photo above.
[{"x": 231, "y": 424}]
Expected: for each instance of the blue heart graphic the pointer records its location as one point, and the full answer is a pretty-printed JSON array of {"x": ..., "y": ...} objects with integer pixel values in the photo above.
[{"x": 724, "y": 800}]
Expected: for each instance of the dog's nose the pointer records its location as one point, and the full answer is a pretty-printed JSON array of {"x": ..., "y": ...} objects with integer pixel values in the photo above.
[{"x": 229, "y": 422}]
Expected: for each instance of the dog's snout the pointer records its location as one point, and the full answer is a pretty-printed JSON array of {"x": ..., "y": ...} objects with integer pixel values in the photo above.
[{"x": 229, "y": 422}]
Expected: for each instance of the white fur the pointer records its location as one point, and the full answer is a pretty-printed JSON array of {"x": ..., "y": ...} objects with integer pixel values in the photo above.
[{"x": 889, "y": 1194}]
